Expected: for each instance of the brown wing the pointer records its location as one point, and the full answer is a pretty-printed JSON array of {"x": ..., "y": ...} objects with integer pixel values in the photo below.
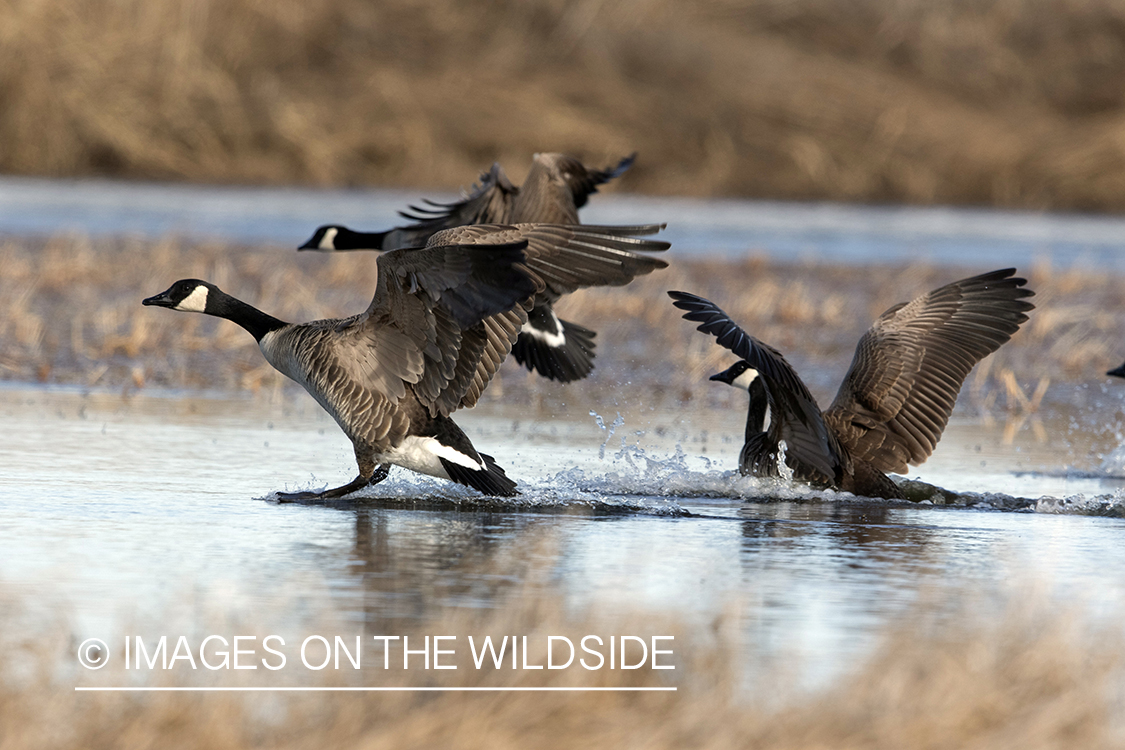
[
  {"x": 567, "y": 258},
  {"x": 445, "y": 316},
  {"x": 489, "y": 202},
  {"x": 556, "y": 186},
  {"x": 909, "y": 367},
  {"x": 414, "y": 331}
]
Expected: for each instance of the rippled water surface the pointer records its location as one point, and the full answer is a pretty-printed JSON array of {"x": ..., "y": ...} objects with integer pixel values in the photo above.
[{"x": 136, "y": 508}]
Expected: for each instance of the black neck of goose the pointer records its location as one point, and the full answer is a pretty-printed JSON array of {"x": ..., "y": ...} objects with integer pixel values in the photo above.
[
  {"x": 249, "y": 317},
  {"x": 759, "y": 403},
  {"x": 347, "y": 239}
]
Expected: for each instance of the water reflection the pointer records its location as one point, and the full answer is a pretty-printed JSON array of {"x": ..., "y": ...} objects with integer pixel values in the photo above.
[{"x": 409, "y": 571}]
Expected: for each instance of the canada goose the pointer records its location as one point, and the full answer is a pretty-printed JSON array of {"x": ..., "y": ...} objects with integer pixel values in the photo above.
[
  {"x": 441, "y": 321},
  {"x": 555, "y": 188},
  {"x": 1118, "y": 372},
  {"x": 896, "y": 398}
]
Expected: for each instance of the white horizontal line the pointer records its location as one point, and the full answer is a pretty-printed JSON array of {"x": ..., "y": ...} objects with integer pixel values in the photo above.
[{"x": 375, "y": 689}]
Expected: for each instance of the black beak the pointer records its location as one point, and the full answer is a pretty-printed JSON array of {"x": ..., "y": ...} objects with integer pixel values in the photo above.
[
  {"x": 160, "y": 300},
  {"x": 726, "y": 376},
  {"x": 1118, "y": 373},
  {"x": 310, "y": 244}
]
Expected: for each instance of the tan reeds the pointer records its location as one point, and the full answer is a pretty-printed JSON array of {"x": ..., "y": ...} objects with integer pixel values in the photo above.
[
  {"x": 962, "y": 673},
  {"x": 1007, "y": 102},
  {"x": 70, "y": 313}
]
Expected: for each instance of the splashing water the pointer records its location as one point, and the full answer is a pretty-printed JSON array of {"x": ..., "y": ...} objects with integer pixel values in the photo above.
[
  {"x": 620, "y": 420},
  {"x": 783, "y": 469}
]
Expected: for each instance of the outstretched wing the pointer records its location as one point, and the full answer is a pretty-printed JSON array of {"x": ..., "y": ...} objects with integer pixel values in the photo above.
[
  {"x": 445, "y": 316},
  {"x": 562, "y": 258},
  {"x": 556, "y": 186},
  {"x": 567, "y": 258},
  {"x": 908, "y": 368},
  {"x": 489, "y": 202},
  {"x": 796, "y": 418}
]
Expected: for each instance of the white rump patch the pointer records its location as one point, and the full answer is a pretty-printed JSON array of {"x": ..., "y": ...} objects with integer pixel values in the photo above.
[
  {"x": 745, "y": 379},
  {"x": 553, "y": 340},
  {"x": 194, "y": 302},
  {"x": 328, "y": 241},
  {"x": 421, "y": 454}
]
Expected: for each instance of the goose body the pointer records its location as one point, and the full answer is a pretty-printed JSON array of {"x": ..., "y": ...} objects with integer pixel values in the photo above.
[
  {"x": 441, "y": 321},
  {"x": 556, "y": 186},
  {"x": 896, "y": 398}
]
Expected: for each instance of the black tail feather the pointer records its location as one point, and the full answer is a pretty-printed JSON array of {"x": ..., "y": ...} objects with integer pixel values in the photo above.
[
  {"x": 491, "y": 480},
  {"x": 573, "y": 360}
]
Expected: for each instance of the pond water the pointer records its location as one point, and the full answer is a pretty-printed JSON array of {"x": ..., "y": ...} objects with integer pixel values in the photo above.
[
  {"x": 160, "y": 509},
  {"x": 834, "y": 232}
]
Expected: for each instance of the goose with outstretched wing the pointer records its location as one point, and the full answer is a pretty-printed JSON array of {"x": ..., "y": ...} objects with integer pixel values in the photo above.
[
  {"x": 556, "y": 186},
  {"x": 441, "y": 321},
  {"x": 896, "y": 397}
]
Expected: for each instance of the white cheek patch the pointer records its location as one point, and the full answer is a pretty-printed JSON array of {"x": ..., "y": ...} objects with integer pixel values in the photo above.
[
  {"x": 194, "y": 302},
  {"x": 745, "y": 379},
  {"x": 553, "y": 340},
  {"x": 328, "y": 241}
]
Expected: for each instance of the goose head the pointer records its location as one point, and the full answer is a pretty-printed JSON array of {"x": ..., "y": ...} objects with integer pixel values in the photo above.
[
  {"x": 739, "y": 375},
  {"x": 324, "y": 238},
  {"x": 188, "y": 295}
]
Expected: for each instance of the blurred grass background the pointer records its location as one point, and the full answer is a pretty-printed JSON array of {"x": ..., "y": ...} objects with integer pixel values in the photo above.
[
  {"x": 960, "y": 671},
  {"x": 992, "y": 102}
]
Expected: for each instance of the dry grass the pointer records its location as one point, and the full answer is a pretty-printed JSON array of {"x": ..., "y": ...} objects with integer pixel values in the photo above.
[
  {"x": 1002, "y": 102},
  {"x": 950, "y": 676},
  {"x": 70, "y": 313}
]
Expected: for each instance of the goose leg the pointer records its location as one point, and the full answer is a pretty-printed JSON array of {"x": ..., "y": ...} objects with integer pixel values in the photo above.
[
  {"x": 358, "y": 483},
  {"x": 368, "y": 474}
]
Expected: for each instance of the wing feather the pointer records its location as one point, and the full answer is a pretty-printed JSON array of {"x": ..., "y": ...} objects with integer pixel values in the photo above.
[
  {"x": 488, "y": 202},
  {"x": 909, "y": 367}
]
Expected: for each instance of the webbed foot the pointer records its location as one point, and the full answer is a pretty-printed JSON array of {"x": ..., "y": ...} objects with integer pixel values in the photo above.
[
  {"x": 358, "y": 483},
  {"x": 332, "y": 494}
]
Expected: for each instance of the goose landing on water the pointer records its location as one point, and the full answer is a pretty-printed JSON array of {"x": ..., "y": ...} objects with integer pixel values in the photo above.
[
  {"x": 441, "y": 321},
  {"x": 555, "y": 188},
  {"x": 896, "y": 398}
]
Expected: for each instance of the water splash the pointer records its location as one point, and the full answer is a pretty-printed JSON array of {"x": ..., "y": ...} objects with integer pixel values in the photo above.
[
  {"x": 620, "y": 420},
  {"x": 1099, "y": 505},
  {"x": 1113, "y": 465},
  {"x": 783, "y": 469}
]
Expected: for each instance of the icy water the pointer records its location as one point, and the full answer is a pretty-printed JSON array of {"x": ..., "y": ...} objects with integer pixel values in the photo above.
[
  {"x": 157, "y": 510},
  {"x": 839, "y": 233}
]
